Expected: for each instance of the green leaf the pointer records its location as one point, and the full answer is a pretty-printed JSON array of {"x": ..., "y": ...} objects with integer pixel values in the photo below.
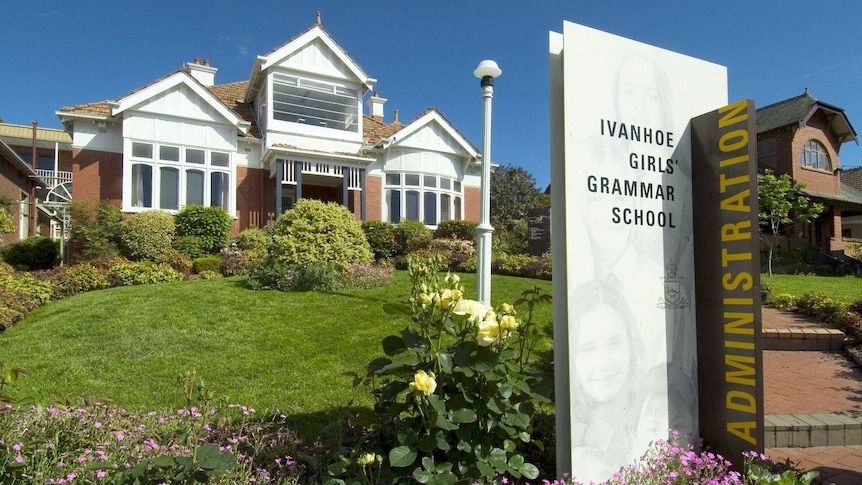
[
  {"x": 505, "y": 391},
  {"x": 442, "y": 442},
  {"x": 428, "y": 463},
  {"x": 437, "y": 403},
  {"x": 402, "y": 456},
  {"x": 397, "y": 309},
  {"x": 516, "y": 461},
  {"x": 517, "y": 420},
  {"x": 529, "y": 470},
  {"x": 10, "y": 376},
  {"x": 444, "y": 423},
  {"x": 164, "y": 461},
  {"x": 444, "y": 478},
  {"x": 446, "y": 362},
  {"x": 422, "y": 476},
  {"x": 464, "y": 446},
  {"x": 463, "y": 415},
  {"x": 392, "y": 345},
  {"x": 494, "y": 405},
  {"x": 427, "y": 444}
]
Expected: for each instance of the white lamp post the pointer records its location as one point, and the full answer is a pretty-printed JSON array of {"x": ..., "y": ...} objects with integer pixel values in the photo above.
[{"x": 486, "y": 71}]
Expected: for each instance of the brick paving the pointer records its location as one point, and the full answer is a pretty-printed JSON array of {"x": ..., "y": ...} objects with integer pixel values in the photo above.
[{"x": 808, "y": 382}]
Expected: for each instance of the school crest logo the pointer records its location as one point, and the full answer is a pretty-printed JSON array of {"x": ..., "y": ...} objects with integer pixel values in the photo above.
[{"x": 673, "y": 296}]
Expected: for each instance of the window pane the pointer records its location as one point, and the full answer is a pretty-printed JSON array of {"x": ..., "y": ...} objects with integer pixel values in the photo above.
[
  {"x": 411, "y": 179},
  {"x": 194, "y": 156},
  {"x": 169, "y": 154},
  {"x": 412, "y": 204},
  {"x": 142, "y": 185},
  {"x": 429, "y": 180},
  {"x": 445, "y": 207},
  {"x": 169, "y": 188},
  {"x": 220, "y": 159},
  {"x": 457, "y": 208},
  {"x": 142, "y": 150},
  {"x": 194, "y": 187},
  {"x": 393, "y": 198},
  {"x": 457, "y": 186},
  {"x": 393, "y": 179},
  {"x": 445, "y": 184},
  {"x": 219, "y": 185},
  {"x": 430, "y": 208}
]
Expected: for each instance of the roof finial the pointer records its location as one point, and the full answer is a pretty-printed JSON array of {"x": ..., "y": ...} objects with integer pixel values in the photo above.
[
  {"x": 806, "y": 89},
  {"x": 318, "y": 17}
]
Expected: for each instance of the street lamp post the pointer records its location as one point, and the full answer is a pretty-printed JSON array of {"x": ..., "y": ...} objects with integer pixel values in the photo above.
[{"x": 486, "y": 71}]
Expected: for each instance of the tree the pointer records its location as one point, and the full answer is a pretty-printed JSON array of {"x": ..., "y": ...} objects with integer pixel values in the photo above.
[
  {"x": 7, "y": 225},
  {"x": 781, "y": 203},
  {"x": 513, "y": 191}
]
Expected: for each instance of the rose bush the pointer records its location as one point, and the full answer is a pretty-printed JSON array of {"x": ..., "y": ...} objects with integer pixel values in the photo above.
[{"x": 453, "y": 403}]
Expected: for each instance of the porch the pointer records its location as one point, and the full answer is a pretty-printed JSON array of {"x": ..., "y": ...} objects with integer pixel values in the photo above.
[{"x": 320, "y": 180}]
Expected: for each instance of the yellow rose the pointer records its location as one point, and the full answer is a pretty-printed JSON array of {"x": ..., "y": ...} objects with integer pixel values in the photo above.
[
  {"x": 475, "y": 310},
  {"x": 452, "y": 279},
  {"x": 457, "y": 294},
  {"x": 489, "y": 332},
  {"x": 509, "y": 322},
  {"x": 425, "y": 299},
  {"x": 367, "y": 459},
  {"x": 506, "y": 308},
  {"x": 423, "y": 383},
  {"x": 443, "y": 299}
]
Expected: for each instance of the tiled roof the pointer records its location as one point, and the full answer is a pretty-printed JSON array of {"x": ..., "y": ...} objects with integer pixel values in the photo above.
[
  {"x": 374, "y": 130},
  {"x": 852, "y": 177},
  {"x": 98, "y": 108},
  {"x": 785, "y": 113},
  {"x": 231, "y": 94}
]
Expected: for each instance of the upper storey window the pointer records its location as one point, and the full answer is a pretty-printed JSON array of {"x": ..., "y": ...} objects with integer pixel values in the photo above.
[
  {"x": 814, "y": 155},
  {"x": 317, "y": 103}
]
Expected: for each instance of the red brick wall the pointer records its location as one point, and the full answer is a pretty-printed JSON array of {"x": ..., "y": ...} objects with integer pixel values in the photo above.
[
  {"x": 12, "y": 182},
  {"x": 815, "y": 180},
  {"x": 373, "y": 198},
  {"x": 97, "y": 176},
  {"x": 472, "y": 204},
  {"x": 254, "y": 203}
]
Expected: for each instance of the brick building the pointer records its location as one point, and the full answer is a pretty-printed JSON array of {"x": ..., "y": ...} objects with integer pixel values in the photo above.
[
  {"x": 802, "y": 137},
  {"x": 297, "y": 127}
]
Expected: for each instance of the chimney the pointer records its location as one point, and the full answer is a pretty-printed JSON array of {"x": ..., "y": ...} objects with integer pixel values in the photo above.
[
  {"x": 202, "y": 72},
  {"x": 396, "y": 117},
  {"x": 375, "y": 105}
]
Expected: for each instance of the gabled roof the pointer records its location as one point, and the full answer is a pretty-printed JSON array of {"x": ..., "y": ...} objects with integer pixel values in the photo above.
[
  {"x": 428, "y": 116},
  {"x": 231, "y": 95},
  {"x": 110, "y": 108},
  {"x": 315, "y": 32},
  {"x": 795, "y": 112},
  {"x": 7, "y": 153}
]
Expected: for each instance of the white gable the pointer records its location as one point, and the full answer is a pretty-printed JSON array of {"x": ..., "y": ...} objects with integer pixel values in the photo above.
[
  {"x": 433, "y": 137},
  {"x": 316, "y": 57},
  {"x": 180, "y": 102}
]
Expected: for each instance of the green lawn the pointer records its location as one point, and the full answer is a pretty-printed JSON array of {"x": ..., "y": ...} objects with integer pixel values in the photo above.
[
  {"x": 847, "y": 288},
  {"x": 265, "y": 349}
]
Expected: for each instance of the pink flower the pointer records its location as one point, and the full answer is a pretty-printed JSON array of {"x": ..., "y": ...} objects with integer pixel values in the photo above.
[{"x": 19, "y": 459}]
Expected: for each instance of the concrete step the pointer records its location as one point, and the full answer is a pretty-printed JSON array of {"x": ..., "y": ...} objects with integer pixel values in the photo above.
[
  {"x": 808, "y": 430},
  {"x": 819, "y": 339}
]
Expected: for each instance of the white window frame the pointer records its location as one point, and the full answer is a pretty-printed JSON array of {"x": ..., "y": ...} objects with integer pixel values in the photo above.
[
  {"x": 352, "y": 101},
  {"x": 456, "y": 197},
  {"x": 156, "y": 164}
]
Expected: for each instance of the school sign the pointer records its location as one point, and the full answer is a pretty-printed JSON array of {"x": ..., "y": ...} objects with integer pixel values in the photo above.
[{"x": 637, "y": 258}]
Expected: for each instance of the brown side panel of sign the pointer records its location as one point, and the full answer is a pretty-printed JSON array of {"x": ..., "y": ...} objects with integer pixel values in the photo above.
[{"x": 727, "y": 280}]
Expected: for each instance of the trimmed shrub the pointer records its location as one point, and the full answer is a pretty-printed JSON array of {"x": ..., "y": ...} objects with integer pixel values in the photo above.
[
  {"x": 147, "y": 235},
  {"x": 211, "y": 224},
  {"x": 191, "y": 246},
  {"x": 278, "y": 275},
  {"x": 6, "y": 269},
  {"x": 411, "y": 236},
  {"x": 820, "y": 306},
  {"x": 321, "y": 234},
  {"x": 95, "y": 232},
  {"x": 254, "y": 239},
  {"x": 177, "y": 260},
  {"x": 142, "y": 273},
  {"x": 783, "y": 301},
  {"x": 79, "y": 278},
  {"x": 26, "y": 283},
  {"x": 381, "y": 238},
  {"x": 209, "y": 263},
  {"x": 850, "y": 322},
  {"x": 455, "y": 253},
  {"x": 209, "y": 275},
  {"x": 35, "y": 252},
  {"x": 236, "y": 262},
  {"x": 456, "y": 229},
  {"x": 14, "y": 305}
]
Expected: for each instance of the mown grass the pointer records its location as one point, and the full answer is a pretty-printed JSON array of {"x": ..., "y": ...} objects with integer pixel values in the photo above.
[
  {"x": 847, "y": 288},
  {"x": 265, "y": 349}
]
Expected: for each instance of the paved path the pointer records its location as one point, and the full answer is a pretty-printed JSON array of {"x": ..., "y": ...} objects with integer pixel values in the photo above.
[{"x": 807, "y": 382}]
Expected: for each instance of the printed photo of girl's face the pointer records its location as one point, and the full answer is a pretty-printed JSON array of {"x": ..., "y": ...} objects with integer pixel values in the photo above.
[{"x": 602, "y": 354}]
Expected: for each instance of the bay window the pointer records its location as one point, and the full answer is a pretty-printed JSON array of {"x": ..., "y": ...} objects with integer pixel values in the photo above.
[
  {"x": 422, "y": 197},
  {"x": 169, "y": 177}
]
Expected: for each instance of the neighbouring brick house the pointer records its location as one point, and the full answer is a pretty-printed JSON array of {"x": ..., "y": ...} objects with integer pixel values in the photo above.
[
  {"x": 802, "y": 136},
  {"x": 21, "y": 187},
  {"x": 296, "y": 128}
]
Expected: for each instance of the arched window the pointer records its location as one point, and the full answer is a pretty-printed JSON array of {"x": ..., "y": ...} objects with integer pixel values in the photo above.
[{"x": 814, "y": 155}]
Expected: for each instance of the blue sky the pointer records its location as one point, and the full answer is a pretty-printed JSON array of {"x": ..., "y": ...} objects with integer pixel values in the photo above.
[{"x": 423, "y": 53}]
